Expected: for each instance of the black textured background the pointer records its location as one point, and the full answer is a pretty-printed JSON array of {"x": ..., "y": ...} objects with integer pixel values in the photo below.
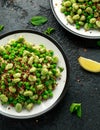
[{"x": 84, "y": 87}]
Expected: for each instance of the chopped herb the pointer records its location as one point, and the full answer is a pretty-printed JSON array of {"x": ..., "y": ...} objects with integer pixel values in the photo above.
[
  {"x": 1, "y": 27},
  {"x": 38, "y": 20},
  {"x": 49, "y": 30},
  {"x": 76, "y": 108},
  {"x": 61, "y": 69}
]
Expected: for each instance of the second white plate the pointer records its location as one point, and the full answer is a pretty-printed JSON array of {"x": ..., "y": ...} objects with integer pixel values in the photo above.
[{"x": 56, "y": 5}]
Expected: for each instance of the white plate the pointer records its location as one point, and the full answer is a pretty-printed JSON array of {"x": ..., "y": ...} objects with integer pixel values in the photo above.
[
  {"x": 59, "y": 92},
  {"x": 56, "y": 5}
]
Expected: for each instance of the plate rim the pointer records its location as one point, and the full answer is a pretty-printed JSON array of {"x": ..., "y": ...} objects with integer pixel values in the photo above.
[
  {"x": 68, "y": 29},
  {"x": 67, "y": 74}
]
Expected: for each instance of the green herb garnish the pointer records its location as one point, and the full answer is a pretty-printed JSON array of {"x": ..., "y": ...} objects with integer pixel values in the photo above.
[
  {"x": 76, "y": 108},
  {"x": 49, "y": 30},
  {"x": 98, "y": 43},
  {"x": 1, "y": 27},
  {"x": 38, "y": 20}
]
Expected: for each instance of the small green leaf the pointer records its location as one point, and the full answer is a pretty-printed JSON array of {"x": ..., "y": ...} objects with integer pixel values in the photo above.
[
  {"x": 1, "y": 27},
  {"x": 79, "y": 112},
  {"x": 49, "y": 30},
  {"x": 98, "y": 43},
  {"x": 38, "y": 20},
  {"x": 76, "y": 108}
]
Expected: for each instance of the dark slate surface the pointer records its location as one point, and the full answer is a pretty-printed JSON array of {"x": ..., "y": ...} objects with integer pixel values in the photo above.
[{"x": 84, "y": 87}]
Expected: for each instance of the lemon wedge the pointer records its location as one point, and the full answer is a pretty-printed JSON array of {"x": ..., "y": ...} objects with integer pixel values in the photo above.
[{"x": 89, "y": 65}]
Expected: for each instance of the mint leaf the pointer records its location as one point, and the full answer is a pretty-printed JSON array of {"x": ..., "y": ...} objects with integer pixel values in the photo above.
[
  {"x": 79, "y": 112},
  {"x": 49, "y": 30},
  {"x": 38, "y": 20},
  {"x": 98, "y": 43},
  {"x": 1, "y": 27},
  {"x": 76, "y": 108}
]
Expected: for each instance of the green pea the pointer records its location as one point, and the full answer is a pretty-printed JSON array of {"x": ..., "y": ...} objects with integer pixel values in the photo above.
[
  {"x": 26, "y": 83},
  {"x": 39, "y": 65},
  {"x": 51, "y": 94},
  {"x": 32, "y": 89},
  {"x": 45, "y": 97},
  {"x": 38, "y": 75},
  {"x": 11, "y": 99},
  {"x": 6, "y": 57},
  {"x": 78, "y": 26},
  {"x": 20, "y": 53},
  {"x": 18, "y": 45},
  {"x": 94, "y": 7},
  {"x": 38, "y": 102},
  {"x": 3, "y": 87},
  {"x": 90, "y": 2},
  {"x": 46, "y": 92},
  {"x": 90, "y": 25},
  {"x": 35, "y": 65},
  {"x": 67, "y": 13},
  {"x": 20, "y": 84}
]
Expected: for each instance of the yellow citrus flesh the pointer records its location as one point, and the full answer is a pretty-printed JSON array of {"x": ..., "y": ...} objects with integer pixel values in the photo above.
[{"x": 89, "y": 65}]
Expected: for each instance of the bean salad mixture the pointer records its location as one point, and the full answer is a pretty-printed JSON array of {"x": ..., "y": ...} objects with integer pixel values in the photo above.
[
  {"x": 28, "y": 74},
  {"x": 82, "y": 13}
]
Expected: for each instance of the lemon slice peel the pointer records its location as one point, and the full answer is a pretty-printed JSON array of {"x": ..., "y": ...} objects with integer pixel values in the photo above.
[{"x": 89, "y": 65}]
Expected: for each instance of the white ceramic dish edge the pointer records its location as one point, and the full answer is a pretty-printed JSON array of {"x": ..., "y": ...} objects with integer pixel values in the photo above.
[{"x": 59, "y": 92}]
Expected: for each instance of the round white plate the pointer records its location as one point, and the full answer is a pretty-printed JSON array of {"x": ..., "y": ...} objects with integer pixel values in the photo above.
[
  {"x": 55, "y": 6},
  {"x": 59, "y": 92}
]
